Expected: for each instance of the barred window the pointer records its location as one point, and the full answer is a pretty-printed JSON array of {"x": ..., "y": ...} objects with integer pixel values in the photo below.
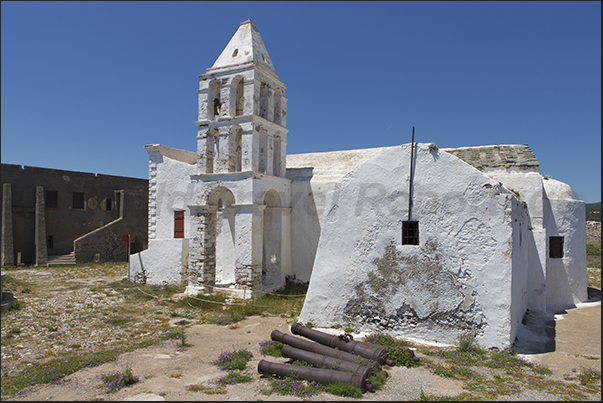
[{"x": 410, "y": 232}]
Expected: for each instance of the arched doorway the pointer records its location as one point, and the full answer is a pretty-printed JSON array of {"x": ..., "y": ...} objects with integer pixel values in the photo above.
[
  {"x": 271, "y": 253},
  {"x": 223, "y": 200}
]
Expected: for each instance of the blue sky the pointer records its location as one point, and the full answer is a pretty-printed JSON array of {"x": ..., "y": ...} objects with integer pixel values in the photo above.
[{"x": 85, "y": 85}]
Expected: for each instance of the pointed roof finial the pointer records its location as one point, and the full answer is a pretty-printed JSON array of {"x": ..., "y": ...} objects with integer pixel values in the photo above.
[{"x": 245, "y": 46}]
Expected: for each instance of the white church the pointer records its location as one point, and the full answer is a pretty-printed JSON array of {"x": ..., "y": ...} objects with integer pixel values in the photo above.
[{"x": 411, "y": 240}]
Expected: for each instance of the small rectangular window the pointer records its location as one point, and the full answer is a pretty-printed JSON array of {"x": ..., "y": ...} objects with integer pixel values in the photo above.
[
  {"x": 108, "y": 203},
  {"x": 52, "y": 199},
  {"x": 50, "y": 241},
  {"x": 410, "y": 232},
  {"x": 556, "y": 247},
  {"x": 178, "y": 224},
  {"x": 78, "y": 200}
]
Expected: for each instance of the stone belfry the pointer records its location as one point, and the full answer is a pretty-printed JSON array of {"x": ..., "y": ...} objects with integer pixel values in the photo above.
[{"x": 242, "y": 110}]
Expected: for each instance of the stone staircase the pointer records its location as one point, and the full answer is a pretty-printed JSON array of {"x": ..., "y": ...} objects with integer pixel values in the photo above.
[{"x": 61, "y": 259}]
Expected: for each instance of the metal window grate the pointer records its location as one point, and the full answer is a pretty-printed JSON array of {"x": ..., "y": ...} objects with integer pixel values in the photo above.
[{"x": 410, "y": 232}]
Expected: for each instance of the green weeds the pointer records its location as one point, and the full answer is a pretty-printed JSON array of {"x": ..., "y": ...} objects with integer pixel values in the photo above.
[
  {"x": 589, "y": 376},
  {"x": 378, "y": 380},
  {"x": 12, "y": 332},
  {"x": 290, "y": 386},
  {"x": 342, "y": 389},
  {"x": 224, "y": 319},
  {"x": 118, "y": 380},
  {"x": 271, "y": 347},
  {"x": 55, "y": 370},
  {"x": 234, "y": 377},
  {"x": 233, "y": 360},
  {"x": 205, "y": 389},
  {"x": 397, "y": 350}
]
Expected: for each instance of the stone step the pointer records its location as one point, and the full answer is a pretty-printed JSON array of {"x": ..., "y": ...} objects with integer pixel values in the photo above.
[{"x": 61, "y": 259}]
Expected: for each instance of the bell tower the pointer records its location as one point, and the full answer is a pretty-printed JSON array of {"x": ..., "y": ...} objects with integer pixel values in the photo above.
[{"x": 242, "y": 110}]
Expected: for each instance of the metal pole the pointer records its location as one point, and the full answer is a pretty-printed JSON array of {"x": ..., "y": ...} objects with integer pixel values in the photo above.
[
  {"x": 412, "y": 150},
  {"x": 129, "y": 243}
]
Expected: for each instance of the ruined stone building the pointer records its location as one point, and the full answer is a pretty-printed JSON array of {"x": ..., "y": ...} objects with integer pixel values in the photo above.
[
  {"x": 461, "y": 240},
  {"x": 50, "y": 213}
]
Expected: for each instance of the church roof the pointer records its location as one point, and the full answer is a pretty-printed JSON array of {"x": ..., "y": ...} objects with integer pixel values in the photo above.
[
  {"x": 337, "y": 163},
  {"x": 245, "y": 46},
  {"x": 516, "y": 155},
  {"x": 329, "y": 161}
]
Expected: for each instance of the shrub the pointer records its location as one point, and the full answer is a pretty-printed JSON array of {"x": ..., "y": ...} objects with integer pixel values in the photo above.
[
  {"x": 377, "y": 380},
  {"x": 397, "y": 350},
  {"x": 385, "y": 340},
  {"x": 467, "y": 344},
  {"x": 401, "y": 357},
  {"x": 589, "y": 375},
  {"x": 224, "y": 319},
  {"x": 234, "y": 377},
  {"x": 271, "y": 347},
  {"x": 343, "y": 389},
  {"x": 229, "y": 361},
  {"x": 293, "y": 387},
  {"x": 117, "y": 380},
  {"x": 205, "y": 389},
  {"x": 464, "y": 372},
  {"x": 443, "y": 370}
]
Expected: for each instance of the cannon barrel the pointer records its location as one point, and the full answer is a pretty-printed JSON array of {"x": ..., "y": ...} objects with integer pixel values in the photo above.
[
  {"x": 321, "y": 375},
  {"x": 321, "y": 349},
  {"x": 364, "y": 349},
  {"x": 325, "y": 361}
]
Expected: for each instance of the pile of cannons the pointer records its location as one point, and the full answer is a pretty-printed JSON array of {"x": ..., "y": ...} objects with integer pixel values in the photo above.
[{"x": 333, "y": 358}]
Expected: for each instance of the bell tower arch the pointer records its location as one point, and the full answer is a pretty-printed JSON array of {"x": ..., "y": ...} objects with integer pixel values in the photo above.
[
  {"x": 242, "y": 98},
  {"x": 241, "y": 150}
]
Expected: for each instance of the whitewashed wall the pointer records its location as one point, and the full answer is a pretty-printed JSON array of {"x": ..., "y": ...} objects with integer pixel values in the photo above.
[
  {"x": 528, "y": 186},
  {"x": 567, "y": 278},
  {"x": 176, "y": 186},
  {"x": 459, "y": 279}
]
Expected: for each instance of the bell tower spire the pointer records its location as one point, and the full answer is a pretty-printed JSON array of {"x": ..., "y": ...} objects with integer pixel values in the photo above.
[{"x": 242, "y": 110}]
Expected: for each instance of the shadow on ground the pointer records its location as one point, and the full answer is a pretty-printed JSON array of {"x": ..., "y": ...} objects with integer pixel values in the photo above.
[{"x": 537, "y": 335}]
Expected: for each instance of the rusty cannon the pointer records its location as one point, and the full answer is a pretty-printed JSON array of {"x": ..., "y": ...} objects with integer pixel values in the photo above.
[
  {"x": 321, "y": 375},
  {"x": 322, "y": 349},
  {"x": 323, "y": 361},
  {"x": 367, "y": 350}
]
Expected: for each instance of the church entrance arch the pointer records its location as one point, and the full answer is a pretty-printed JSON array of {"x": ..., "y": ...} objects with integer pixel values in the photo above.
[
  {"x": 222, "y": 200},
  {"x": 271, "y": 254}
]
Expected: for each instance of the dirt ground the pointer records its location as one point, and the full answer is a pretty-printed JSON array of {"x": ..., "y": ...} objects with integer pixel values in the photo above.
[
  {"x": 63, "y": 313},
  {"x": 166, "y": 373}
]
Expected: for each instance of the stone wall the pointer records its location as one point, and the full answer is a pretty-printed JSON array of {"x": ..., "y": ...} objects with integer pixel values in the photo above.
[
  {"x": 593, "y": 230},
  {"x": 64, "y": 222}
]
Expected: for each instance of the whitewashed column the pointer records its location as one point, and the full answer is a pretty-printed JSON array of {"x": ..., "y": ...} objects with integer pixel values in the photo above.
[{"x": 248, "y": 245}]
